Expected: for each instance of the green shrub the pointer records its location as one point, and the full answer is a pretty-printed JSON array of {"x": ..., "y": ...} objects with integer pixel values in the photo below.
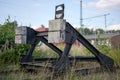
[
  {"x": 9, "y": 56},
  {"x": 13, "y": 55},
  {"x": 114, "y": 53}
]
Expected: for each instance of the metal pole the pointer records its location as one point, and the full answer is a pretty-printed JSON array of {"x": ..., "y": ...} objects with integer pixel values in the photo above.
[
  {"x": 81, "y": 19},
  {"x": 105, "y": 16},
  {"x": 105, "y": 23}
]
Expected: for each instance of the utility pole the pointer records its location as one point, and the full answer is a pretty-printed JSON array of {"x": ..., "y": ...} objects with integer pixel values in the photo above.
[
  {"x": 81, "y": 18},
  {"x": 105, "y": 16}
]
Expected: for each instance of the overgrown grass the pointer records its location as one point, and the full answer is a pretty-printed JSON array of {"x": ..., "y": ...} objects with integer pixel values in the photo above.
[
  {"x": 9, "y": 57},
  {"x": 44, "y": 53},
  {"x": 70, "y": 75},
  {"x": 114, "y": 53},
  {"x": 12, "y": 56}
]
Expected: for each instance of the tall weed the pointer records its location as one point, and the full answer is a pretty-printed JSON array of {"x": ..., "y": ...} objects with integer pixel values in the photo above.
[{"x": 13, "y": 55}]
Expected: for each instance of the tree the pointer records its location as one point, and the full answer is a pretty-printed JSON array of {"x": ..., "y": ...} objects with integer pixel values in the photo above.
[
  {"x": 42, "y": 26},
  {"x": 117, "y": 31},
  {"x": 7, "y": 31},
  {"x": 101, "y": 31},
  {"x": 87, "y": 31}
]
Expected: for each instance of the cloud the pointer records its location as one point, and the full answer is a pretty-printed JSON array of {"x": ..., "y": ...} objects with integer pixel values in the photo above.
[
  {"x": 108, "y": 3},
  {"x": 105, "y": 4},
  {"x": 114, "y": 27},
  {"x": 34, "y": 26},
  {"x": 89, "y": 4}
]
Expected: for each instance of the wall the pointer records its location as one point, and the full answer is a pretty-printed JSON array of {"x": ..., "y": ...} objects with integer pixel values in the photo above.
[{"x": 115, "y": 41}]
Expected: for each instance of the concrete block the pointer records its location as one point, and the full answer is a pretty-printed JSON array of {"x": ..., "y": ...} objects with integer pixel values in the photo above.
[
  {"x": 20, "y": 35},
  {"x": 56, "y": 32}
]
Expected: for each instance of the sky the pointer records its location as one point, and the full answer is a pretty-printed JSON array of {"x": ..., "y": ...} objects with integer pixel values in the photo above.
[{"x": 35, "y": 13}]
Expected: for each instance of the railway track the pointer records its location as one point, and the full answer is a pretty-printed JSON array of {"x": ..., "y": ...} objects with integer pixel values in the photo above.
[
  {"x": 55, "y": 76},
  {"x": 83, "y": 71},
  {"x": 8, "y": 71}
]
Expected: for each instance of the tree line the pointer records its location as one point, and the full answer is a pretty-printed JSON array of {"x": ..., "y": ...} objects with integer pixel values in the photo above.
[{"x": 87, "y": 31}]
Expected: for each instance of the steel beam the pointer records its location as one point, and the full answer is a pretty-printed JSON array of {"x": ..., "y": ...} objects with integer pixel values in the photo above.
[{"x": 102, "y": 59}]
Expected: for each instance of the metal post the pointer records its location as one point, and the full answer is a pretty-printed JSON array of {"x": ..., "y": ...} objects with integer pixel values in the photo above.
[
  {"x": 81, "y": 19},
  {"x": 28, "y": 57},
  {"x": 105, "y": 16},
  {"x": 105, "y": 23},
  {"x": 64, "y": 60}
]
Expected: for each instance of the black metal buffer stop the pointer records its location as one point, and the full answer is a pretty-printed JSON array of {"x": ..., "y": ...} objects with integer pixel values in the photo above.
[{"x": 59, "y": 31}]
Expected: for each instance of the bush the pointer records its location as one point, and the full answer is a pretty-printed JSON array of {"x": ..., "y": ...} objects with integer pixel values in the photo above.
[
  {"x": 114, "y": 53},
  {"x": 12, "y": 56},
  {"x": 9, "y": 56}
]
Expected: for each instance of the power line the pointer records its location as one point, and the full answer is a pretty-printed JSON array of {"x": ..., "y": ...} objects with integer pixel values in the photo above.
[
  {"x": 96, "y": 16},
  {"x": 105, "y": 19}
]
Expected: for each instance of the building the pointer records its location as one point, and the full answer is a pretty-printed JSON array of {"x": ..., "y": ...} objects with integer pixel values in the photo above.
[
  {"x": 41, "y": 29},
  {"x": 112, "y": 39}
]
